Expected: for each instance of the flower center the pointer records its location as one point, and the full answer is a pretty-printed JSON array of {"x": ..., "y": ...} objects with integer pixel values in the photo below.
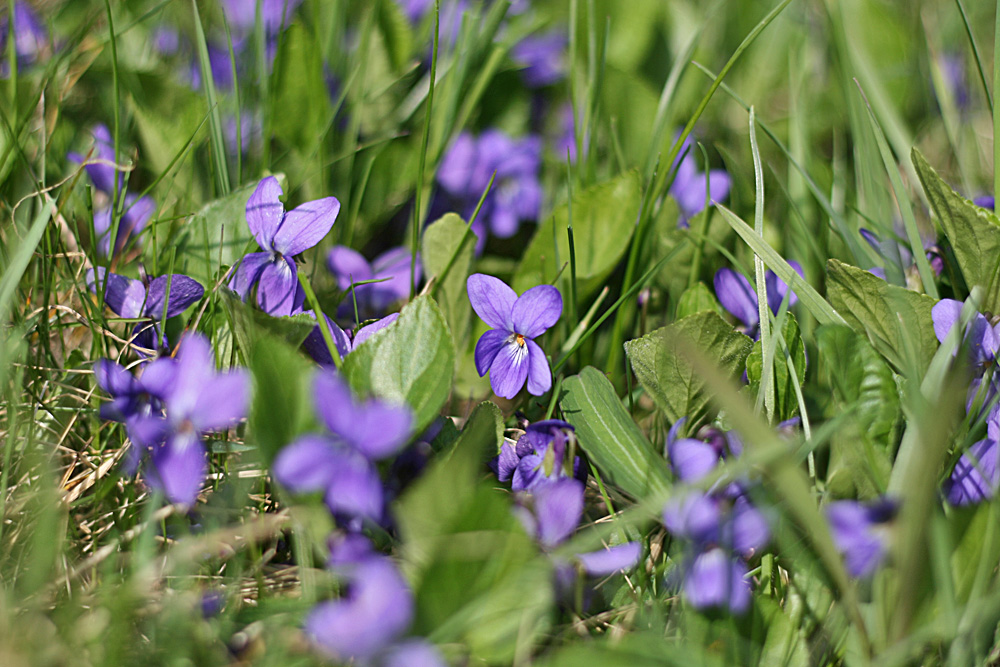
[{"x": 520, "y": 339}]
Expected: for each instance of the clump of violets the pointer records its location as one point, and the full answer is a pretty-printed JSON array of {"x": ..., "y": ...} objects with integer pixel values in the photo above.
[
  {"x": 541, "y": 455},
  {"x": 136, "y": 212},
  {"x": 169, "y": 407},
  {"x": 689, "y": 186},
  {"x": 367, "y": 622},
  {"x": 543, "y": 57},
  {"x": 391, "y": 268},
  {"x": 516, "y": 195},
  {"x": 144, "y": 299},
  {"x": 859, "y": 532},
  {"x": 508, "y": 351},
  {"x": 721, "y": 526},
  {"x": 341, "y": 464},
  {"x": 281, "y": 235},
  {"x": 740, "y": 299}
]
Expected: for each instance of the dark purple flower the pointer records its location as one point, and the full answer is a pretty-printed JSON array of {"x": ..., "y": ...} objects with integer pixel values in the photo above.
[
  {"x": 516, "y": 194},
  {"x": 976, "y": 476},
  {"x": 982, "y": 339},
  {"x": 543, "y": 57},
  {"x": 349, "y": 266},
  {"x": 508, "y": 350},
  {"x": 689, "y": 185},
  {"x": 138, "y": 212},
  {"x": 986, "y": 201},
  {"x": 716, "y": 579},
  {"x": 856, "y": 529},
  {"x": 539, "y": 456},
  {"x": 100, "y": 165},
  {"x": 135, "y": 299},
  {"x": 195, "y": 399},
  {"x": 281, "y": 236},
  {"x": 740, "y": 299},
  {"x": 345, "y": 341}
]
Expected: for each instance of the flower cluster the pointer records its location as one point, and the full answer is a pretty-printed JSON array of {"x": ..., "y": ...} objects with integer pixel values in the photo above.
[
  {"x": 391, "y": 269},
  {"x": 168, "y": 407},
  {"x": 722, "y": 527},
  {"x": 516, "y": 195},
  {"x": 137, "y": 211}
]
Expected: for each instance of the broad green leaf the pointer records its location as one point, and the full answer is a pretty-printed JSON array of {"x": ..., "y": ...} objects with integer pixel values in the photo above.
[
  {"x": 896, "y": 320},
  {"x": 483, "y": 432},
  {"x": 787, "y": 404},
  {"x": 784, "y": 643},
  {"x": 669, "y": 378},
  {"x": 860, "y": 452},
  {"x": 440, "y": 244},
  {"x": 974, "y": 233},
  {"x": 696, "y": 299},
  {"x": 610, "y": 437},
  {"x": 248, "y": 323},
  {"x": 472, "y": 566},
  {"x": 282, "y": 398},
  {"x": 216, "y": 236},
  {"x": 410, "y": 361},
  {"x": 604, "y": 217}
]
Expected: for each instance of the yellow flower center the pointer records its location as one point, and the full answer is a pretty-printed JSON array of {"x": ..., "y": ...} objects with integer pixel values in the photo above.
[{"x": 520, "y": 339}]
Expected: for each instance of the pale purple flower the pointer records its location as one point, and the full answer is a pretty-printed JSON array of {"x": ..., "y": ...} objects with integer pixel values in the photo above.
[
  {"x": 516, "y": 195},
  {"x": 985, "y": 201},
  {"x": 717, "y": 579},
  {"x": 101, "y": 169},
  {"x": 508, "y": 351},
  {"x": 953, "y": 69},
  {"x": 899, "y": 254},
  {"x": 195, "y": 399},
  {"x": 982, "y": 339},
  {"x": 274, "y": 14},
  {"x": 137, "y": 214},
  {"x": 143, "y": 299},
  {"x": 281, "y": 236},
  {"x": 543, "y": 58},
  {"x": 373, "y": 299},
  {"x": 341, "y": 464},
  {"x": 857, "y": 531},
  {"x": 976, "y": 476},
  {"x": 30, "y": 38},
  {"x": 740, "y": 299},
  {"x": 689, "y": 185}
]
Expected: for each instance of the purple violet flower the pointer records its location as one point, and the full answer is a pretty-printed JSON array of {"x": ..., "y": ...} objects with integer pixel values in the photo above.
[
  {"x": 986, "y": 201},
  {"x": 543, "y": 57},
  {"x": 30, "y": 38},
  {"x": 976, "y": 476},
  {"x": 899, "y": 254},
  {"x": 516, "y": 194},
  {"x": 716, "y": 579},
  {"x": 857, "y": 532},
  {"x": 349, "y": 266},
  {"x": 539, "y": 456},
  {"x": 689, "y": 184},
  {"x": 983, "y": 340},
  {"x": 740, "y": 299},
  {"x": 345, "y": 341},
  {"x": 274, "y": 14},
  {"x": 143, "y": 299},
  {"x": 508, "y": 350},
  {"x": 101, "y": 164},
  {"x": 137, "y": 214},
  {"x": 280, "y": 235},
  {"x": 195, "y": 400},
  {"x": 341, "y": 465}
]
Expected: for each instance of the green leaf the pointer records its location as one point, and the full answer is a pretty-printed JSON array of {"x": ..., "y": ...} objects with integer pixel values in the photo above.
[
  {"x": 440, "y": 243},
  {"x": 604, "y": 218},
  {"x": 282, "y": 403},
  {"x": 610, "y": 437},
  {"x": 669, "y": 378},
  {"x": 398, "y": 34},
  {"x": 249, "y": 323},
  {"x": 896, "y": 320},
  {"x": 787, "y": 405},
  {"x": 696, "y": 299},
  {"x": 410, "y": 361},
  {"x": 474, "y": 570},
  {"x": 860, "y": 452},
  {"x": 974, "y": 233},
  {"x": 216, "y": 236}
]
